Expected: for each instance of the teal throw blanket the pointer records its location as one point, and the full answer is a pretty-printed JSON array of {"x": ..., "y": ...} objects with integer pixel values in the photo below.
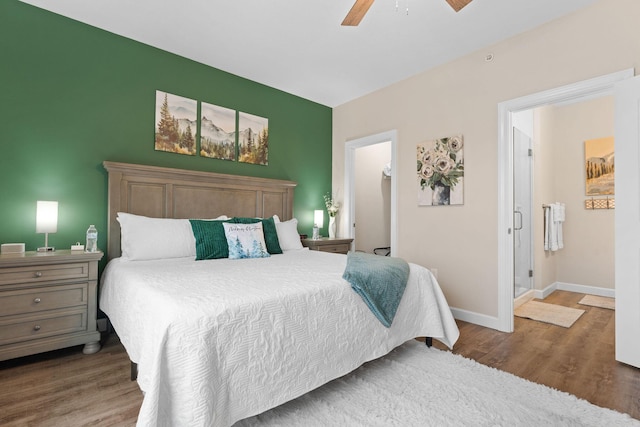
[{"x": 380, "y": 281}]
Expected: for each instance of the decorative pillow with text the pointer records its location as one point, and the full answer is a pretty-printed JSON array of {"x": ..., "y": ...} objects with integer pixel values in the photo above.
[{"x": 245, "y": 240}]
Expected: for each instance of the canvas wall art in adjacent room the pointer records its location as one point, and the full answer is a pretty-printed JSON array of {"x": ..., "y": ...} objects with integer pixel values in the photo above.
[{"x": 599, "y": 166}]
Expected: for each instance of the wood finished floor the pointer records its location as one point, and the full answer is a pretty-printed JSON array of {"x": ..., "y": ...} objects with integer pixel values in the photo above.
[{"x": 67, "y": 388}]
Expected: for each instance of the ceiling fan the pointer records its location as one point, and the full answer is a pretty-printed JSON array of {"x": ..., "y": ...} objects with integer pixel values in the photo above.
[{"x": 360, "y": 8}]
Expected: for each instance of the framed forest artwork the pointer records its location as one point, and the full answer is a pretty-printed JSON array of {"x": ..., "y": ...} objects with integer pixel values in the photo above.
[
  {"x": 599, "y": 166},
  {"x": 176, "y": 123},
  {"x": 217, "y": 132},
  {"x": 253, "y": 139}
]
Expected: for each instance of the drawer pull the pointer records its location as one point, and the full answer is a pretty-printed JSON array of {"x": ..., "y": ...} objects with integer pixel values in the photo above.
[
  {"x": 36, "y": 300},
  {"x": 36, "y": 328},
  {"x": 38, "y": 274}
]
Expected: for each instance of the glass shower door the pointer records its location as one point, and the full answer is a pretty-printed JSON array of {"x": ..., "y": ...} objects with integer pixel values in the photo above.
[{"x": 522, "y": 212}]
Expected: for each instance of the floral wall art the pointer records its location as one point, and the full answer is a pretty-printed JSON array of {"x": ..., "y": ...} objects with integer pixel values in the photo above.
[
  {"x": 176, "y": 123},
  {"x": 441, "y": 171}
]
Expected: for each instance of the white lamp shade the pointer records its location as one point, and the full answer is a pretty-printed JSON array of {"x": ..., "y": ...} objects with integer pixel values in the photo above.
[
  {"x": 46, "y": 217},
  {"x": 318, "y": 218}
]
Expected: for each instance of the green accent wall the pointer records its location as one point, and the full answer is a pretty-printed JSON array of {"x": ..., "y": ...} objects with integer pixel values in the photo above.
[{"x": 72, "y": 96}]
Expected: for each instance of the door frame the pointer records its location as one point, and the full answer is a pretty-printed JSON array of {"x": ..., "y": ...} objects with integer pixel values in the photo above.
[
  {"x": 349, "y": 180},
  {"x": 580, "y": 91}
]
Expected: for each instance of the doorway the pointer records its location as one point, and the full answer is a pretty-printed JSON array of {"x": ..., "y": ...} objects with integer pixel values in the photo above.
[
  {"x": 373, "y": 198},
  {"x": 351, "y": 147},
  {"x": 596, "y": 87}
]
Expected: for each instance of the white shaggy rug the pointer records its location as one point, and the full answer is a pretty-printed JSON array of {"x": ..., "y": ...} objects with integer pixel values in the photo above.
[{"x": 418, "y": 386}]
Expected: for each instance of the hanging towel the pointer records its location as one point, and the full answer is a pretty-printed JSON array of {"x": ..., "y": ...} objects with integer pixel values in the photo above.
[
  {"x": 554, "y": 215},
  {"x": 559, "y": 213},
  {"x": 558, "y": 218},
  {"x": 551, "y": 236},
  {"x": 547, "y": 219}
]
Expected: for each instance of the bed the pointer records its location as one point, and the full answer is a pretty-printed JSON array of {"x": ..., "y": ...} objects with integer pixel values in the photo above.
[{"x": 220, "y": 340}]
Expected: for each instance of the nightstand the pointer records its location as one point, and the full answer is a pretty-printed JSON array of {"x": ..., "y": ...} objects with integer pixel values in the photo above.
[
  {"x": 48, "y": 300},
  {"x": 327, "y": 244}
]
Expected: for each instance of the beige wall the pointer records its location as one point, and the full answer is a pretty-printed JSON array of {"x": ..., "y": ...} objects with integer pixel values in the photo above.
[
  {"x": 373, "y": 197},
  {"x": 588, "y": 254},
  {"x": 588, "y": 257},
  {"x": 462, "y": 97}
]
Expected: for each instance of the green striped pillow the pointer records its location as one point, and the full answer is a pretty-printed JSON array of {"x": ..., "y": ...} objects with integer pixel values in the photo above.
[{"x": 211, "y": 242}]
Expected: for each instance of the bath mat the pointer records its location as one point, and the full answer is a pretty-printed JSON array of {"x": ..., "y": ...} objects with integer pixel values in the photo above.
[
  {"x": 597, "y": 301},
  {"x": 549, "y": 313}
]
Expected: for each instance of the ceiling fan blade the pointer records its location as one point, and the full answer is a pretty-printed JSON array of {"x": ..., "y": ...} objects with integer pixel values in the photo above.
[
  {"x": 357, "y": 12},
  {"x": 458, "y": 4}
]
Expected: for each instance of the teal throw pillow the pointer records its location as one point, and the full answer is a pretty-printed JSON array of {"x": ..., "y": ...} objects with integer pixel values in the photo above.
[{"x": 211, "y": 242}]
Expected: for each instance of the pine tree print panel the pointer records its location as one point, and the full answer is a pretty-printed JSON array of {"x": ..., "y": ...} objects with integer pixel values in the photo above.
[
  {"x": 217, "y": 132},
  {"x": 176, "y": 123},
  {"x": 253, "y": 139}
]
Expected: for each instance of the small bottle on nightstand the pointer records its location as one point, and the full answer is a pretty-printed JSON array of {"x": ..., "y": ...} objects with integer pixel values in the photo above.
[{"x": 92, "y": 239}]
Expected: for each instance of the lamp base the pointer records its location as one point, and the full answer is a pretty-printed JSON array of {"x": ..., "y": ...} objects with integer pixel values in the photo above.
[{"x": 46, "y": 249}]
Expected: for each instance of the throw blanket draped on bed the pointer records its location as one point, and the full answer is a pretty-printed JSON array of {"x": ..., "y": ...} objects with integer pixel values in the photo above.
[{"x": 380, "y": 281}]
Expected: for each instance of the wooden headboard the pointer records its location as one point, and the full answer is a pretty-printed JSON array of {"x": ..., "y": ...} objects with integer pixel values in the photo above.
[{"x": 161, "y": 192}]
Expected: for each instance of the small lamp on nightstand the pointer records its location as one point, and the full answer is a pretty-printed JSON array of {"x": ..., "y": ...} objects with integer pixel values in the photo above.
[
  {"x": 46, "y": 222},
  {"x": 318, "y": 222}
]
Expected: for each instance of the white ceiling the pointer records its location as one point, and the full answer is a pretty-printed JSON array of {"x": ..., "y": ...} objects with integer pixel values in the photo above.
[{"x": 299, "y": 46}]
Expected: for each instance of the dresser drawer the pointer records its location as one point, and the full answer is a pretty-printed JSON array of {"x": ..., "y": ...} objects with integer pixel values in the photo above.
[
  {"x": 339, "y": 249},
  {"x": 44, "y": 273},
  {"x": 34, "y": 300},
  {"x": 24, "y": 328}
]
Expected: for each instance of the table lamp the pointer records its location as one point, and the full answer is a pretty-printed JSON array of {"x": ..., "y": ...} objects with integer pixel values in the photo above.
[{"x": 46, "y": 222}]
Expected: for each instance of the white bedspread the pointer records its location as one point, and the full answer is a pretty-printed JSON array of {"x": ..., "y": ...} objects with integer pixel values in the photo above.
[{"x": 221, "y": 340}]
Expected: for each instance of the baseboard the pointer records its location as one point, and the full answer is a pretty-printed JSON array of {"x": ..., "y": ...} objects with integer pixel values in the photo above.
[
  {"x": 574, "y": 287},
  {"x": 584, "y": 289},
  {"x": 494, "y": 323},
  {"x": 543, "y": 293},
  {"x": 476, "y": 318},
  {"x": 527, "y": 296}
]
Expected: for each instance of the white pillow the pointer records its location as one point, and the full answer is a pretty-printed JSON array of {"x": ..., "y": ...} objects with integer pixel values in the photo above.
[
  {"x": 245, "y": 240},
  {"x": 143, "y": 238},
  {"x": 288, "y": 235}
]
